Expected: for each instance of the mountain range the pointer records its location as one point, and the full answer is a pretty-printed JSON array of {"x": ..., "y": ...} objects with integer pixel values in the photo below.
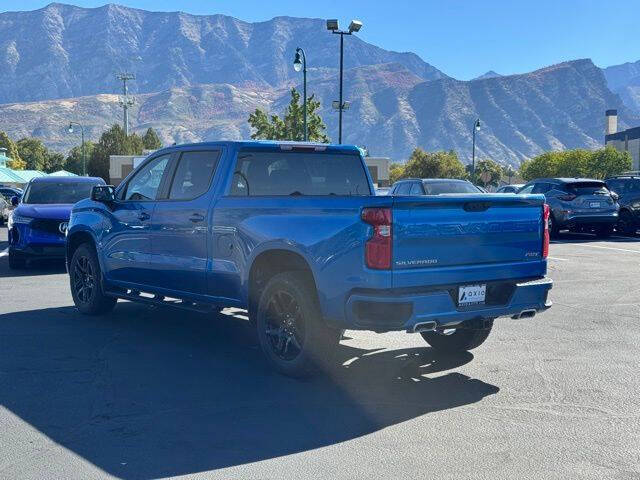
[{"x": 198, "y": 78}]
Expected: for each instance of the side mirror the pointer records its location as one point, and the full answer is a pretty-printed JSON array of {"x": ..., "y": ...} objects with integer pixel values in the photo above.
[
  {"x": 103, "y": 193},
  {"x": 615, "y": 196},
  {"x": 15, "y": 200}
]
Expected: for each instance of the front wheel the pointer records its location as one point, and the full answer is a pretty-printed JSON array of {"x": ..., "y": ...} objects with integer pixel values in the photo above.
[
  {"x": 86, "y": 282},
  {"x": 291, "y": 332},
  {"x": 457, "y": 340},
  {"x": 16, "y": 261}
]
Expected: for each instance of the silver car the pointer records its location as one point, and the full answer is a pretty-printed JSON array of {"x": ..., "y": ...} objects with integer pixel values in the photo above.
[{"x": 577, "y": 204}]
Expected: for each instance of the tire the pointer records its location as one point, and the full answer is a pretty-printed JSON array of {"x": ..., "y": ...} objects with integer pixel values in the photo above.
[
  {"x": 16, "y": 261},
  {"x": 85, "y": 278},
  {"x": 460, "y": 340},
  {"x": 554, "y": 230},
  {"x": 604, "y": 231},
  {"x": 293, "y": 337},
  {"x": 626, "y": 224}
]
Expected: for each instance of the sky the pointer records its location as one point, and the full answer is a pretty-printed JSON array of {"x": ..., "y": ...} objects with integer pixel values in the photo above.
[{"x": 464, "y": 39}]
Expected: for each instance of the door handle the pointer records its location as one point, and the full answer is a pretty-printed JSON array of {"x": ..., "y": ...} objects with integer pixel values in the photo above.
[
  {"x": 144, "y": 216},
  {"x": 196, "y": 217}
]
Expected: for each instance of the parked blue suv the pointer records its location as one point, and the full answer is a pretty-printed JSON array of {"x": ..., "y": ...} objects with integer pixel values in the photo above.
[
  {"x": 294, "y": 233},
  {"x": 38, "y": 224}
]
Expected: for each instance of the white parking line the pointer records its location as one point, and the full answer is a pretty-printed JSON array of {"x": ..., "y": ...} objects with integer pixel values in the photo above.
[
  {"x": 607, "y": 248},
  {"x": 558, "y": 258},
  {"x": 4, "y": 252}
]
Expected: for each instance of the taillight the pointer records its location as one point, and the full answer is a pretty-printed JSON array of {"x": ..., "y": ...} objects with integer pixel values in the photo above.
[
  {"x": 545, "y": 237},
  {"x": 567, "y": 198},
  {"x": 378, "y": 247}
]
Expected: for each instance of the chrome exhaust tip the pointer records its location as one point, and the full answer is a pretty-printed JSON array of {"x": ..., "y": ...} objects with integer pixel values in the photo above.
[
  {"x": 425, "y": 327},
  {"x": 524, "y": 314}
]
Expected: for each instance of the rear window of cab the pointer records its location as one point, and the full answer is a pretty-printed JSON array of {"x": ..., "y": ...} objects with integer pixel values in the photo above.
[{"x": 292, "y": 173}]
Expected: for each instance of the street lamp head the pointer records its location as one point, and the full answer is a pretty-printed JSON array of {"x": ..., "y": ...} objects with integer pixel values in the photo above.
[
  {"x": 477, "y": 126},
  {"x": 297, "y": 63},
  {"x": 332, "y": 24},
  {"x": 355, "y": 26},
  {"x": 70, "y": 129}
]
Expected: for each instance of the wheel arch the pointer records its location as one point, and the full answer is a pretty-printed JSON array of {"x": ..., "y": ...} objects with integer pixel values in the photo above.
[
  {"x": 74, "y": 240},
  {"x": 271, "y": 262}
]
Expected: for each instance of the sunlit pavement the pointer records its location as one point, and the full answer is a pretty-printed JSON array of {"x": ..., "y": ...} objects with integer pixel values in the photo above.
[{"x": 149, "y": 393}]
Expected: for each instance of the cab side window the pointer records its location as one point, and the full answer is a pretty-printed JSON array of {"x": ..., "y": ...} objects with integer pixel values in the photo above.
[
  {"x": 527, "y": 189},
  {"x": 144, "y": 185},
  {"x": 403, "y": 189}
]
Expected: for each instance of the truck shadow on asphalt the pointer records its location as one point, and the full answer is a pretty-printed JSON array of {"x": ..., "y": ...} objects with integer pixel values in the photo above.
[{"x": 147, "y": 392}]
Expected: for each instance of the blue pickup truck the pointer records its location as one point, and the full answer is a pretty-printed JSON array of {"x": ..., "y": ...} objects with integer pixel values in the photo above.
[{"x": 294, "y": 233}]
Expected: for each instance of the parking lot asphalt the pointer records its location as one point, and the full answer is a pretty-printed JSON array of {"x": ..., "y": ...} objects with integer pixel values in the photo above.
[{"x": 149, "y": 392}]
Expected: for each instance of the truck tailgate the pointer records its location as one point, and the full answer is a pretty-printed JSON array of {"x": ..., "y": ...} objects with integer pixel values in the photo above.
[{"x": 452, "y": 232}]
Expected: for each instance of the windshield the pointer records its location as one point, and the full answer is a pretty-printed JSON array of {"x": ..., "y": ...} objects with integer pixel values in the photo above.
[
  {"x": 438, "y": 188},
  {"x": 57, "y": 192}
]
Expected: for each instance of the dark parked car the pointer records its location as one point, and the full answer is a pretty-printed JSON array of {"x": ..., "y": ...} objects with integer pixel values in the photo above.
[
  {"x": 627, "y": 187},
  {"x": 432, "y": 186},
  {"x": 9, "y": 192},
  {"x": 577, "y": 204},
  {"x": 513, "y": 188}
]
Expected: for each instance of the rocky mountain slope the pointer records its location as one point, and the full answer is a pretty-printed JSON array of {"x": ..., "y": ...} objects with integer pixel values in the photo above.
[
  {"x": 199, "y": 77},
  {"x": 625, "y": 81},
  {"x": 65, "y": 51}
]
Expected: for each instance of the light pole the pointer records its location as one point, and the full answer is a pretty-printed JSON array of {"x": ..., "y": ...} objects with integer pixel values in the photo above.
[
  {"x": 476, "y": 128},
  {"x": 126, "y": 103},
  {"x": 300, "y": 62},
  {"x": 84, "y": 158},
  {"x": 354, "y": 27}
]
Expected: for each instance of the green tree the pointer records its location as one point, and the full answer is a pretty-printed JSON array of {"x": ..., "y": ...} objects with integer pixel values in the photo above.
[
  {"x": 112, "y": 142},
  {"x": 576, "y": 163},
  {"x": 441, "y": 164},
  {"x": 291, "y": 126},
  {"x": 609, "y": 161},
  {"x": 488, "y": 173},
  {"x": 16, "y": 162},
  {"x": 55, "y": 162},
  {"x": 73, "y": 163},
  {"x": 396, "y": 172},
  {"x": 509, "y": 172},
  {"x": 150, "y": 140},
  {"x": 33, "y": 152}
]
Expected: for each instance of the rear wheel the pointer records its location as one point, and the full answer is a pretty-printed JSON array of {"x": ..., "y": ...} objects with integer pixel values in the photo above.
[
  {"x": 291, "y": 332},
  {"x": 86, "y": 282},
  {"x": 16, "y": 261},
  {"x": 626, "y": 223},
  {"x": 604, "y": 231},
  {"x": 457, "y": 340},
  {"x": 553, "y": 227}
]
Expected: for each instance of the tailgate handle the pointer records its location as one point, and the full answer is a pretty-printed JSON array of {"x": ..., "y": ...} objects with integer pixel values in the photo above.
[{"x": 476, "y": 206}]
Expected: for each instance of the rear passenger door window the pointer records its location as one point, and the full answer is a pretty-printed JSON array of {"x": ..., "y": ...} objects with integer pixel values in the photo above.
[
  {"x": 541, "y": 188},
  {"x": 193, "y": 174}
]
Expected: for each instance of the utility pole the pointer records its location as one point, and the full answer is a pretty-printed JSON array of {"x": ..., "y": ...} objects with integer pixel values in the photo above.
[{"x": 126, "y": 102}]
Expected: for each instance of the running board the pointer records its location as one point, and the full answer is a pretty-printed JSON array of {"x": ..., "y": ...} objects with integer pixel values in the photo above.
[{"x": 160, "y": 300}]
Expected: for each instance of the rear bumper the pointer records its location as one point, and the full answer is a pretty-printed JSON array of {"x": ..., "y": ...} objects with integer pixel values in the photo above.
[
  {"x": 589, "y": 219},
  {"x": 385, "y": 311}
]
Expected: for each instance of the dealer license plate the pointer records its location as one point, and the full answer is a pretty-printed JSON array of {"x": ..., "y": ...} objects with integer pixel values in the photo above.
[{"x": 471, "y": 294}]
